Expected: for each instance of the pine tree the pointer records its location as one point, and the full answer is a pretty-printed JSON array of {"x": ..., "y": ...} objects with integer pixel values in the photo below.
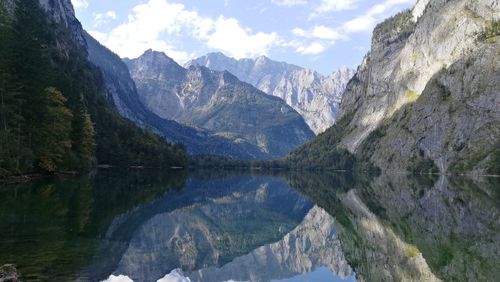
[
  {"x": 87, "y": 148},
  {"x": 29, "y": 62},
  {"x": 11, "y": 102},
  {"x": 53, "y": 138}
]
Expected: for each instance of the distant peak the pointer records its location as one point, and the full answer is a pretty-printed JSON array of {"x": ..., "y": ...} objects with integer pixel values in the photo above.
[
  {"x": 262, "y": 58},
  {"x": 157, "y": 55},
  {"x": 158, "y": 58},
  {"x": 153, "y": 52},
  {"x": 217, "y": 54},
  {"x": 344, "y": 70}
]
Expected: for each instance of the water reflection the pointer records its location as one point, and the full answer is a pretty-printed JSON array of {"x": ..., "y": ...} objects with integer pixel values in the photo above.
[
  {"x": 312, "y": 246},
  {"x": 402, "y": 228},
  {"x": 223, "y": 219},
  {"x": 221, "y": 226},
  {"x": 51, "y": 228}
]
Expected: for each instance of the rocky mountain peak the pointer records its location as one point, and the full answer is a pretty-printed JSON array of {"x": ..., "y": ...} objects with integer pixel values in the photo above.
[
  {"x": 151, "y": 62},
  {"x": 158, "y": 57},
  {"x": 261, "y": 60},
  {"x": 342, "y": 73}
]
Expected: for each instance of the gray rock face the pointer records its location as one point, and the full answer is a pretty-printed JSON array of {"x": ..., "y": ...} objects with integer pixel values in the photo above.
[
  {"x": 410, "y": 53},
  {"x": 311, "y": 94},
  {"x": 60, "y": 11},
  {"x": 455, "y": 122},
  {"x": 218, "y": 102}
]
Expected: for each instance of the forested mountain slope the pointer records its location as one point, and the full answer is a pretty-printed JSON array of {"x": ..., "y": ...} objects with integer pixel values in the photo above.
[{"x": 53, "y": 112}]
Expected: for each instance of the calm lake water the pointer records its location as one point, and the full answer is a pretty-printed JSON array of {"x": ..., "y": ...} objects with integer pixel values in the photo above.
[{"x": 141, "y": 225}]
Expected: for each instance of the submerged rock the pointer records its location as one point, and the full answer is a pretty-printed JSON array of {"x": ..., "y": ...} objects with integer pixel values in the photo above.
[{"x": 9, "y": 273}]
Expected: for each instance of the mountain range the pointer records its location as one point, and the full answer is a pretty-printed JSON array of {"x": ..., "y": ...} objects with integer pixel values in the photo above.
[
  {"x": 314, "y": 96},
  {"x": 217, "y": 102},
  {"x": 122, "y": 94},
  {"x": 425, "y": 98}
]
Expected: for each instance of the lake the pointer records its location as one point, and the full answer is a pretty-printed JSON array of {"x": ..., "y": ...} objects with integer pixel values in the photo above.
[{"x": 147, "y": 225}]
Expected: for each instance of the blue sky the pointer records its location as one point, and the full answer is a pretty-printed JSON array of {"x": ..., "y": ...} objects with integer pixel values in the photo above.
[{"x": 319, "y": 34}]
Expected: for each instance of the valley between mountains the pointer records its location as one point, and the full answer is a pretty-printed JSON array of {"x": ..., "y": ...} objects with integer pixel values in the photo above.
[
  {"x": 251, "y": 169},
  {"x": 424, "y": 99}
]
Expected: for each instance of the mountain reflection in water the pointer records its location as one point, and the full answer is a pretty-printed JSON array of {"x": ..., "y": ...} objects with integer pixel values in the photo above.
[{"x": 133, "y": 225}]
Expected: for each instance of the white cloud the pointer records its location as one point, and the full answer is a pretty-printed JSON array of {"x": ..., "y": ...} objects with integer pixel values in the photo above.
[
  {"x": 80, "y": 4},
  {"x": 359, "y": 24},
  {"x": 149, "y": 23},
  {"x": 289, "y": 3},
  {"x": 104, "y": 18},
  {"x": 299, "y": 32},
  {"x": 314, "y": 48},
  {"x": 328, "y": 6},
  {"x": 144, "y": 27},
  {"x": 238, "y": 42},
  {"x": 323, "y": 32},
  {"x": 317, "y": 39},
  {"x": 99, "y": 36},
  {"x": 318, "y": 32}
]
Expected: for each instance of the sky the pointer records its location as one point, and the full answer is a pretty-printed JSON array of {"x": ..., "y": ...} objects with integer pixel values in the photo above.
[{"x": 318, "y": 34}]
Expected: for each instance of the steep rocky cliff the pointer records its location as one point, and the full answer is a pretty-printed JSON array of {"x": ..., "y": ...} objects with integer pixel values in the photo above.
[
  {"x": 311, "y": 94},
  {"x": 454, "y": 122},
  {"x": 427, "y": 90},
  {"x": 218, "y": 102},
  {"x": 62, "y": 11}
]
